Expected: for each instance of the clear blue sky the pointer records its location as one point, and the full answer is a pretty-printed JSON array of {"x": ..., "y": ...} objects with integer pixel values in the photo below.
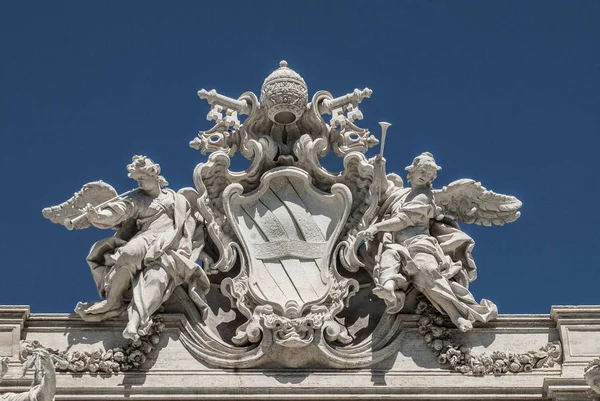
[{"x": 505, "y": 92}]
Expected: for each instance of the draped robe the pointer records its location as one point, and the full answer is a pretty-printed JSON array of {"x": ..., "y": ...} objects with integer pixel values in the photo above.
[
  {"x": 432, "y": 255},
  {"x": 157, "y": 233}
]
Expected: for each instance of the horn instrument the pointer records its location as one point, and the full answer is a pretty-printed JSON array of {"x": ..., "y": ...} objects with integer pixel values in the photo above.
[{"x": 384, "y": 127}]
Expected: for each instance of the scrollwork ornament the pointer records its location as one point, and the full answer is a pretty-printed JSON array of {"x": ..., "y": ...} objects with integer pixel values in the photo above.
[
  {"x": 351, "y": 138},
  {"x": 274, "y": 236},
  {"x": 217, "y": 139}
]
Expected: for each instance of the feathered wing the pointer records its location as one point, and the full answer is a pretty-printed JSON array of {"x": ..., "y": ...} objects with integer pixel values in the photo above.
[
  {"x": 468, "y": 201},
  {"x": 95, "y": 193}
]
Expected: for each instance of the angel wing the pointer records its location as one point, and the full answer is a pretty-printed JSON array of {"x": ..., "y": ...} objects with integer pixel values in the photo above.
[
  {"x": 469, "y": 202},
  {"x": 96, "y": 193},
  {"x": 192, "y": 197}
]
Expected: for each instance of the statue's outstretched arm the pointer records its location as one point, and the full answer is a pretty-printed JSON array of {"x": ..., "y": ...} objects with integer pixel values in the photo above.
[
  {"x": 110, "y": 215},
  {"x": 396, "y": 223}
]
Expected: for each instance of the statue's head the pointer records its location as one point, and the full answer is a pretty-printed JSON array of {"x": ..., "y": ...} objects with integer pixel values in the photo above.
[
  {"x": 143, "y": 169},
  {"x": 423, "y": 169}
]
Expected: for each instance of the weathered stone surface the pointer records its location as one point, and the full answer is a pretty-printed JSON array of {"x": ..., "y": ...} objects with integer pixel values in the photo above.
[
  {"x": 171, "y": 373},
  {"x": 286, "y": 280}
]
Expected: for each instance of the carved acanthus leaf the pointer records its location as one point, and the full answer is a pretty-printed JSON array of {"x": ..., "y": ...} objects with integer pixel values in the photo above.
[{"x": 307, "y": 150}]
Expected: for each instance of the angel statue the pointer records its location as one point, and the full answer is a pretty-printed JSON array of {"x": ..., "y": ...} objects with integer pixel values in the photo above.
[
  {"x": 416, "y": 241},
  {"x": 159, "y": 238}
]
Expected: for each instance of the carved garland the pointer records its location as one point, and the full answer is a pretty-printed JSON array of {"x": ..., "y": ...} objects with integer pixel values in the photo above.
[
  {"x": 460, "y": 357},
  {"x": 111, "y": 361}
]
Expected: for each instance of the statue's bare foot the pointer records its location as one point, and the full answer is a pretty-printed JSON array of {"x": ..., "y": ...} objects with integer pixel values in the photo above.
[
  {"x": 394, "y": 300},
  {"x": 464, "y": 324},
  {"x": 384, "y": 293},
  {"x": 399, "y": 304},
  {"x": 144, "y": 330},
  {"x": 130, "y": 333},
  {"x": 100, "y": 307}
]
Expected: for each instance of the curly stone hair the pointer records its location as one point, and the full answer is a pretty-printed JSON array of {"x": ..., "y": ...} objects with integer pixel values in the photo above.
[
  {"x": 142, "y": 165},
  {"x": 424, "y": 159}
]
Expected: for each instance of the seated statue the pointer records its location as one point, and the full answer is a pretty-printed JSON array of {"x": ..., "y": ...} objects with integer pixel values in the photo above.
[
  {"x": 159, "y": 238},
  {"x": 416, "y": 244}
]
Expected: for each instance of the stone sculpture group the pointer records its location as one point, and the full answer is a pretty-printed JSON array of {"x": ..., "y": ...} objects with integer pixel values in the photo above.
[{"x": 286, "y": 241}]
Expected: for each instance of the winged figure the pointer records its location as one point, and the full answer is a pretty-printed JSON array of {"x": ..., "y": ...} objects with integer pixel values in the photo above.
[
  {"x": 159, "y": 238},
  {"x": 415, "y": 240}
]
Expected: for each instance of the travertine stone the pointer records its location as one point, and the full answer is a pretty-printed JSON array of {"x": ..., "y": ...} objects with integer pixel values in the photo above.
[
  {"x": 43, "y": 387},
  {"x": 286, "y": 280},
  {"x": 284, "y": 95},
  {"x": 419, "y": 242},
  {"x": 12, "y": 320},
  {"x": 171, "y": 373},
  {"x": 154, "y": 252},
  {"x": 580, "y": 329}
]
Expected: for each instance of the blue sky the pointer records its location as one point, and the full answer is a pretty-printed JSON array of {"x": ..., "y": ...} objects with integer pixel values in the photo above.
[{"x": 505, "y": 92}]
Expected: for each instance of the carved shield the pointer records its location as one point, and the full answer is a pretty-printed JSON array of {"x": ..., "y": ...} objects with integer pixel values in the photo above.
[{"x": 288, "y": 229}]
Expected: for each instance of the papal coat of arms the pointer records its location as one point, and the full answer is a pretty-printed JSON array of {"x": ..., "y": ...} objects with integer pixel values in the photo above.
[{"x": 319, "y": 265}]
